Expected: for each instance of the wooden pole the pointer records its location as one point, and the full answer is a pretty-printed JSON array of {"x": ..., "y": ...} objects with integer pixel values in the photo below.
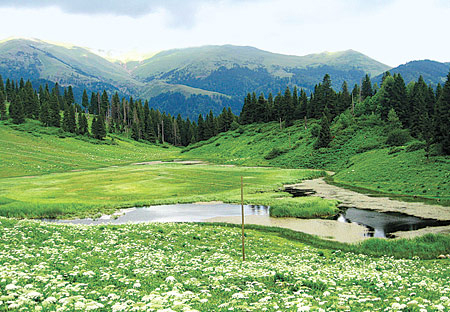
[{"x": 242, "y": 212}]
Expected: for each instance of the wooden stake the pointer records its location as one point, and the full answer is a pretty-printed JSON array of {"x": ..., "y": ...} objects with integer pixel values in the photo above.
[{"x": 242, "y": 212}]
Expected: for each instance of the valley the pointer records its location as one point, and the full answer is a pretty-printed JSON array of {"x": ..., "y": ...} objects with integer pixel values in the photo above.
[{"x": 113, "y": 205}]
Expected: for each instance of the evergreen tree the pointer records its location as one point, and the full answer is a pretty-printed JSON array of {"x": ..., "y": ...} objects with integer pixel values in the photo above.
[
  {"x": 104, "y": 103},
  {"x": 2, "y": 86},
  {"x": 442, "y": 118},
  {"x": 3, "y": 114},
  {"x": 344, "y": 99},
  {"x": 94, "y": 105},
  {"x": 418, "y": 108},
  {"x": 85, "y": 100},
  {"x": 200, "y": 129},
  {"x": 69, "y": 122},
  {"x": 324, "y": 138},
  {"x": 54, "y": 116},
  {"x": 366, "y": 88},
  {"x": 16, "y": 111},
  {"x": 98, "y": 127},
  {"x": 44, "y": 115},
  {"x": 83, "y": 127}
]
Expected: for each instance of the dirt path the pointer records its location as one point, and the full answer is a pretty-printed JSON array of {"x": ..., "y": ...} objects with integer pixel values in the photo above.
[{"x": 383, "y": 204}]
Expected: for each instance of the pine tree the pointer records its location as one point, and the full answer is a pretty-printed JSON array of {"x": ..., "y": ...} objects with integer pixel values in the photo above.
[
  {"x": 53, "y": 111},
  {"x": 44, "y": 115},
  {"x": 200, "y": 129},
  {"x": 82, "y": 124},
  {"x": 69, "y": 123},
  {"x": 366, "y": 88},
  {"x": 3, "y": 114},
  {"x": 101, "y": 127},
  {"x": 16, "y": 111},
  {"x": 104, "y": 103},
  {"x": 324, "y": 138},
  {"x": 418, "y": 108},
  {"x": 85, "y": 100},
  {"x": 442, "y": 118}
]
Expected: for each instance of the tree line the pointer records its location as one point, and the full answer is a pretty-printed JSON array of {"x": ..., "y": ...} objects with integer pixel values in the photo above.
[
  {"x": 56, "y": 107},
  {"x": 416, "y": 109}
]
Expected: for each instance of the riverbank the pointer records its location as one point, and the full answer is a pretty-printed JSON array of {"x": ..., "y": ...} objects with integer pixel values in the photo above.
[{"x": 348, "y": 198}]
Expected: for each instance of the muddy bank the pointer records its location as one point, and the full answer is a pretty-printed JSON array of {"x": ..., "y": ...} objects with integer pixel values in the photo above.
[
  {"x": 350, "y": 198},
  {"x": 434, "y": 230},
  {"x": 326, "y": 229}
]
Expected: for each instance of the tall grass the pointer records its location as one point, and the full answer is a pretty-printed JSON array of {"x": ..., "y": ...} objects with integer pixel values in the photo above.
[{"x": 305, "y": 207}]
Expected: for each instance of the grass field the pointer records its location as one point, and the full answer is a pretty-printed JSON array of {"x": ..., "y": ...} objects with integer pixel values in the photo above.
[
  {"x": 30, "y": 149},
  {"x": 92, "y": 192},
  {"x": 357, "y": 153},
  {"x": 191, "y": 267}
]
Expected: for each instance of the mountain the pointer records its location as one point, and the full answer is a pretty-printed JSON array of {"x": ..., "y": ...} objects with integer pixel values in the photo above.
[
  {"x": 186, "y": 81},
  {"x": 432, "y": 72},
  {"x": 236, "y": 70},
  {"x": 41, "y": 62}
]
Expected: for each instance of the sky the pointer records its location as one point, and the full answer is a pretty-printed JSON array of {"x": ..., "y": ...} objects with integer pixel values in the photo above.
[{"x": 390, "y": 31}]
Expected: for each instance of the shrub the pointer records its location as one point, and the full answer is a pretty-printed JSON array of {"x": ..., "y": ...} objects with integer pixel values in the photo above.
[
  {"x": 397, "y": 137},
  {"x": 395, "y": 149},
  {"x": 274, "y": 152},
  {"x": 415, "y": 146},
  {"x": 314, "y": 130},
  {"x": 367, "y": 147},
  {"x": 234, "y": 125}
]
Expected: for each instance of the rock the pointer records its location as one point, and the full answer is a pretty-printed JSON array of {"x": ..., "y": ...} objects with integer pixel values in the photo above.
[{"x": 442, "y": 257}]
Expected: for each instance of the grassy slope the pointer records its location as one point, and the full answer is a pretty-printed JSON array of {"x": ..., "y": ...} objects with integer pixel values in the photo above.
[
  {"x": 357, "y": 154},
  {"x": 32, "y": 150}
]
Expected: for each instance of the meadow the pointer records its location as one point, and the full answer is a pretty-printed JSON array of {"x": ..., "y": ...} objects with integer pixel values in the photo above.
[
  {"x": 191, "y": 267},
  {"x": 30, "y": 149},
  {"x": 102, "y": 191},
  {"x": 358, "y": 154}
]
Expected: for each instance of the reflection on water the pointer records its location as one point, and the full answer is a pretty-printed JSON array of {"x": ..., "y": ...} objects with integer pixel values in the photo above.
[
  {"x": 382, "y": 224},
  {"x": 379, "y": 224},
  {"x": 176, "y": 213}
]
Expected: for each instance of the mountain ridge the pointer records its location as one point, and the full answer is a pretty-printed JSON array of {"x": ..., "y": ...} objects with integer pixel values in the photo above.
[{"x": 175, "y": 79}]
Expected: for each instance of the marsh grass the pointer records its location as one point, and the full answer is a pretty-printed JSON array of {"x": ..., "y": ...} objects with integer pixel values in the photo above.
[{"x": 304, "y": 207}]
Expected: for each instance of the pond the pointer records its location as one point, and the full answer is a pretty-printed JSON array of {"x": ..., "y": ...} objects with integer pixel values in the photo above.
[
  {"x": 383, "y": 224},
  {"x": 378, "y": 224},
  {"x": 175, "y": 213}
]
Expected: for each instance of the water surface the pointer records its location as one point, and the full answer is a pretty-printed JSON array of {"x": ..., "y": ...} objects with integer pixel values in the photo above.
[{"x": 176, "y": 213}]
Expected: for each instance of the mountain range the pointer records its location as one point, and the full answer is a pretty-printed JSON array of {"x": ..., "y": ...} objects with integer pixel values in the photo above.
[{"x": 194, "y": 80}]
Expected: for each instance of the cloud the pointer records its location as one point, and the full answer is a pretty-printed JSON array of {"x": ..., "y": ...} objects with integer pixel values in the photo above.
[{"x": 181, "y": 13}]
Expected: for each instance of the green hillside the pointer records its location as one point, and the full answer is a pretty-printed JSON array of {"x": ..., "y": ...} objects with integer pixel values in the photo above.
[
  {"x": 357, "y": 154},
  {"x": 30, "y": 149}
]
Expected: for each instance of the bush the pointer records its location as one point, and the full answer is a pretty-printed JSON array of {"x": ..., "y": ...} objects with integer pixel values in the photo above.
[
  {"x": 395, "y": 149},
  {"x": 274, "y": 152},
  {"x": 415, "y": 146},
  {"x": 345, "y": 120},
  {"x": 234, "y": 125},
  {"x": 397, "y": 137},
  {"x": 367, "y": 147},
  {"x": 314, "y": 130}
]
